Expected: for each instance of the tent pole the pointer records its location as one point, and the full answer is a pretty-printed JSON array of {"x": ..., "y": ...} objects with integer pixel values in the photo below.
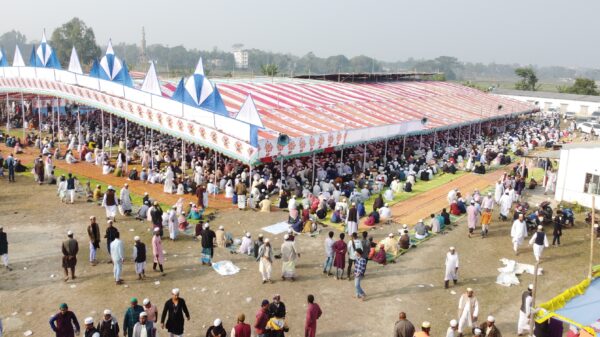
[
  {"x": 102, "y": 121},
  {"x": 216, "y": 168},
  {"x": 182, "y": 157},
  {"x": 313, "y": 168},
  {"x": 385, "y": 152},
  {"x": 58, "y": 121},
  {"x": 110, "y": 135},
  {"x": 152, "y": 147},
  {"x": 421, "y": 141},
  {"x": 52, "y": 111},
  {"x": 592, "y": 237},
  {"x": 533, "y": 295},
  {"x": 342, "y": 155},
  {"x": 78, "y": 131},
  {"x": 23, "y": 113},
  {"x": 126, "y": 148},
  {"x": 470, "y": 132},
  {"x": 7, "y": 114},
  {"x": 403, "y": 145},
  {"x": 447, "y": 138},
  {"x": 459, "y": 132},
  {"x": 281, "y": 164},
  {"x": 434, "y": 140},
  {"x": 40, "y": 120},
  {"x": 365, "y": 158}
]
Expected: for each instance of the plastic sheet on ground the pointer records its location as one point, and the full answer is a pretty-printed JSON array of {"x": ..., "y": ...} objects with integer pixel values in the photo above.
[
  {"x": 278, "y": 228},
  {"x": 508, "y": 273},
  {"x": 225, "y": 268}
]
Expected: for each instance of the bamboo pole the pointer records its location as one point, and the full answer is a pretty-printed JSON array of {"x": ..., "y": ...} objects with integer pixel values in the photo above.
[
  {"x": 533, "y": 295},
  {"x": 592, "y": 237}
]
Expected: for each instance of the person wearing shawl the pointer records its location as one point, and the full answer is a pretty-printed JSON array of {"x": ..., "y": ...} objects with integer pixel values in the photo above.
[{"x": 289, "y": 255}]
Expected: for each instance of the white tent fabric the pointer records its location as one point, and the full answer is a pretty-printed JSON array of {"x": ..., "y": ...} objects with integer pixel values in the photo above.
[
  {"x": 104, "y": 63},
  {"x": 190, "y": 87},
  {"x": 18, "y": 59},
  {"x": 199, "y": 68},
  {"x": 207, "y": 89},
  {"x": 151, "y": 83},
  {"x": 74, "y": 64},
  {"x": 249, "y": 114},
  {"x": 44, "y": 51}
]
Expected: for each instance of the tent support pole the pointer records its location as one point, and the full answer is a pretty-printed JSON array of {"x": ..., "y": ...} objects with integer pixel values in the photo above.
[
  {"x": 313, "y": 168},
  {"x": 7, "y": 114},
  {"x": 152, "y": 147},
  {"x": 216, "y": 168},
  {"x": 126, "y": 148},
  {"x": 182, "y": 157},
  {"x": 592, "y": 236},
  {"x": 52, "y": 119},
  {"x": 533, "y": 295},
  {"x": 78, "y": 131},
  {"x": 102, "y": 121},
  {"x": 58, "y": 137},
  {"x": 385, "y": 152},
  {"x": 364, "y": 158},
  {"x": 110, "y": 136},
  {"x": 39, "y": 120},
  {"x": 342, "y": 155},
  {"x": 403, "y": 145},
  {"x": 447, "y": 138},
  {"x": 421, "y": 141},
  {"x": 23, "y": 113},
  {"x": 459, "y": 134}
]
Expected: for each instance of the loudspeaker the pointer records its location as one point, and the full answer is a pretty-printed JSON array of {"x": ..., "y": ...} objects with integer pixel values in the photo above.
[
  {"x": 424, "y": 120},
  {"x": 283, "y": 140}
]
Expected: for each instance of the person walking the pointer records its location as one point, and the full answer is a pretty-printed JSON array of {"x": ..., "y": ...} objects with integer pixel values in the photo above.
[
  {"x": 518, "y": 233},
  {"x": 557, "y": 226},
  {"x": 313, "y": 313},
  {"x": 139, "y": 257},
  {"x": 353, "y": 244},
  {"x": 329, "y": 254},
  {"x": 468, "y": 310},
  {"x": 525, "y": 311},
  {"x": 265, "y": 261},
  {"x": 110, "y": 203},
  {"x": 110, "y": 235},
  {"x": 486, "y": 218},
  {"x": 144, "y": 327},
  {"x": 64, "y": 323},
  {"x": 93, "y": 231},
  {"x": 489, "y": 328},
  {"x": 241, "y": 329},
  {"x": 70, "y": 248},
  {"x": 108, "y": 326},
  {"x": 452, "y": 329},
  {"x": 425, "y": 329},
  {"x": 10, "y": 164},
  {"x": 539, "y": 240},
  {"x": 359, "y": 272},
  {"x": 173, "y": 311},
  {"x": 150, "y": 309},
  {"x": 339, "y": 261},
  {"x": 262, "y": 318},
  {"x": 451, "y": 267},
  {"x": 4, "y": 248},
  {"x": 71, "y": 187},
  {"x": 208, "y": 244},
  {"x": 403, "y": 327},
  {"x": 132, "y": 316},
  {"x": 157, "y": 251},
  {"x": 90, "y": 330},
  {"x": 117, "y": 254}
]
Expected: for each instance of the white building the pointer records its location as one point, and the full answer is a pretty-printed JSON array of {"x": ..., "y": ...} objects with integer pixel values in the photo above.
[
  {"x": 579, "y": 174},
  {"x": 581, "y": 105},
  {"x": 241, "y": 59}
]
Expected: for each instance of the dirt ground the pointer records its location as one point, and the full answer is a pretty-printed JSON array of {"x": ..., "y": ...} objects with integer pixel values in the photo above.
[{"x": 36, "y": 223}]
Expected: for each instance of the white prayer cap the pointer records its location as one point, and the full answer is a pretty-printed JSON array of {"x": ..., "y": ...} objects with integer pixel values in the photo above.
[
  {"x": 469, "y": 289},
  {"x": 452, "y": 248},
  {"x": 145, "y": 193},
  {"x": 156, "y": 229},
  {"x": 126, "y": 184},
  {"x": 92, "y": 217},
  {"x": 174, "y": 206},
  {"x": 175, "y": 291},
  {"x": 491, "y": 319},
  {"x": 420, "y": 220},
  {"x": 477, "y": 332},
  {"x": 391, "y": 235},
  {"x": 136, "y": 238},
  {"x": 426, "y": 325},
  {"x": 540, "y": 227},
  {"x": 287, "y": 236},
  {"x": 221, "y": 227},
  {"x": 530, "y": 286},
  {"x": 88, "y": 320},
  {"x": 405, "y": 226},
  {"x": 248, "y": 234},
  {"x": 260, "y": 235},
  {"x": 110, "y": 187},
  {"x": 453, "y": 323},
  {"x": 472, "y": 202},
  {"x": 206, "y": 225},
  {"x": 69, "y": 233},
  {"x": 217, "y": 322},
  {"x": 146, "y": 301},
  {"x": 143, "y": 314},
  {"x": 490, "y": 194},
  {"x": 107, "y": 312},
  {"x": 290, "y": 231}
]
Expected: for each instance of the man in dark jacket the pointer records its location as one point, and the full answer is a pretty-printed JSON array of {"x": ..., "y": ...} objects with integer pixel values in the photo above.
[
  {"x": 111, "y": 234},
  {"x": 63, "y": 322},
  {"x": 132, "y": 316},
  {"x": 70, "y": 248},
  {"x": 156, "y": 214},
  {"x": 93, "y": 231},
  {"x": 4, "y": 248},
  {"x": 277, "y": 308}
]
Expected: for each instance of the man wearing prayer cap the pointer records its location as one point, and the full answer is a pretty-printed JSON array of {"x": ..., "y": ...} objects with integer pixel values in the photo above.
[
  {"x": 70, "y": 248},
  {"x": 173, "y": 311},
  {"x": 476, "y": 332},
  {"x": 451, "y": 267},
  {"x": 489, "y": 329},
  {"x": 132, "y": 316},
  {"x": 139, "y": 257},
  {"x": 246, "y": 245},
  {"x": 452, "y": 329},
  {"x": 144, "y": 327},
  {"x": 265, "y": 261},
  {"x": 220, "y": 237},
  {"x": 425, "y": 328},
  {"x": 539, "y": 240},
  {"x": 208, "y": 244},
  {"x": 151, "y": 310},
  {"x": 468, "y": 310},
  {"x": 90, "y": 330},
  {"x": 525, "y": 310},
  {"x": 108, "y": 326},
  {"x": 289, "y": 255},
  {"x": 117, "y": 254},
  {"x": 157, "y": 251},
  {"x": 241, "y": 329},
  {"x": 63, "y": 322}
]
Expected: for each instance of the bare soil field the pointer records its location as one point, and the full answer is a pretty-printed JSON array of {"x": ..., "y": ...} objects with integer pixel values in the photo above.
[{"x": 36, "y": 223}]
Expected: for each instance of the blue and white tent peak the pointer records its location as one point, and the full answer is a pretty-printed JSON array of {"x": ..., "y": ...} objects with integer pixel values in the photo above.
[
  {"x": 113, "y": 69},
  {"x": 74, "y": 64},
  {"x": 18, "y": 59},
  {"x": 44, "y": 56},
  {"x": 151, "y": 83},
  {"x": 249, "y": 114},
  {"x": 3, "y": 59},
  {"x": 199, "y": 68}
]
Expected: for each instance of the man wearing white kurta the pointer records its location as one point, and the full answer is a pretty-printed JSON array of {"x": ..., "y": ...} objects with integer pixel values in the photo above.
[
  {"x": 525, "y": 312},
  {"x": 488, "y": 202},
  {"x": 117, "y": 254},
  {"x": 499, "y": 191},
  {"x": 518, "y": 233},
  {"x": 451, "y": 196},
  {"x": 451, "y": 267},
  {"x": 173, "y": 223},
  {"x": 505, "y": 203},
  {"x": 539, "y": 240},
  {"x": 468, "y": 310},
  {"x": 125, "y": 200}
]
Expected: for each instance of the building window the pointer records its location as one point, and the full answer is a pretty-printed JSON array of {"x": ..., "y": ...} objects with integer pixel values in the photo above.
[{"x": 592, "y": 184}]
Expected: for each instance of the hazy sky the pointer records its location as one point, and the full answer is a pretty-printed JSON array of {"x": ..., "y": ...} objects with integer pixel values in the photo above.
[{"x": 543, "y": 32}]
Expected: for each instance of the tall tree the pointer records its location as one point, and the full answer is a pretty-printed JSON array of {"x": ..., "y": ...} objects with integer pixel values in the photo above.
[
  {"x": 270, "y": 69},
  {"x": 75, "y": 33},
  {"x": 10, "y": 39},
  {"x": 528, "y": 79},
  {"x": 582, "y": 86}
]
